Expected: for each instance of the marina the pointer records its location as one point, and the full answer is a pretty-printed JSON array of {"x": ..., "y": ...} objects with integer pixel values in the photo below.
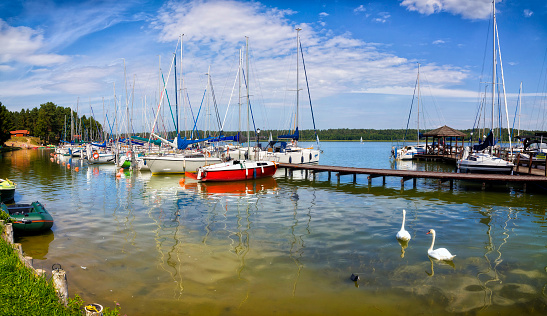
[
  {"x": 285, "y": 245},
  {"x": 179, "y": 166}
]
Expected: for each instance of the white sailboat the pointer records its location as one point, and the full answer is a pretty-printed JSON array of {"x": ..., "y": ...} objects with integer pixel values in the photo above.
[
  {"x": 292, "y": 152},
  {"x": 483, "y": 160},
  {"x": 407, "y": 152}
]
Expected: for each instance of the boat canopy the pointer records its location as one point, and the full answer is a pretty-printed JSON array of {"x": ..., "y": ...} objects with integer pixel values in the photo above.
[
  {"x": 489, "y": 141},
  {"x": 142, "y": 139},
  {"x": 226, "y": 138},
  {"x": 294, "y": 136},
  {"x": 183, "y": 143}
]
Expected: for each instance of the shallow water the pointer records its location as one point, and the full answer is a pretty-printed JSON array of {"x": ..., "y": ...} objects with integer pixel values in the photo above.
[{"x": 287, "y": 245}]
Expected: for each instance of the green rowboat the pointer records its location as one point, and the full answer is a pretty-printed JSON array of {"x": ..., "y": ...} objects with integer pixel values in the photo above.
[{"x": 28, "y": 217}]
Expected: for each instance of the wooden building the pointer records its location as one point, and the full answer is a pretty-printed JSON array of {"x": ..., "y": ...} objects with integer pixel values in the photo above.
[
  {"x": 444, "y": 141},
  {"x": 19, "y": 133}
]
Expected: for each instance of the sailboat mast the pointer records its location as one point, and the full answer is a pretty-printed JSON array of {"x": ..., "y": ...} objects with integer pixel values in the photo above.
[
  {"x": 248, "y": 101},
  {"x": 418, "y": 103},
  {"x": 176, "y": 97},
  {"x": 297, "y": 76},
  {"x": 493, "y": 65},
  {"x": 520, "y": 107}
]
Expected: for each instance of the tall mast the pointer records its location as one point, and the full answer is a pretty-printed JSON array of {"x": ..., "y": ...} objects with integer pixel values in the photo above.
[
  {"x": 182, "y": 83},
  {"x": 297, "y": 75},
  {"x": 176, "y": 97},
  {"x": 248, "y": 101},
  {"x": 520, "y": 107},
  {"x": 418, "y": 103},
  {"x": 493, "y": 65}
]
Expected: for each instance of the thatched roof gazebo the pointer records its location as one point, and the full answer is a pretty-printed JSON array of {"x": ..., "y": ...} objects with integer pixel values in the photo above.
[{"x": 441, "y": 134}]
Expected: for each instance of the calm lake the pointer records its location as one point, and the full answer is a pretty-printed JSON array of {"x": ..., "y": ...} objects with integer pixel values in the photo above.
[{"x": 286, "y": 246}]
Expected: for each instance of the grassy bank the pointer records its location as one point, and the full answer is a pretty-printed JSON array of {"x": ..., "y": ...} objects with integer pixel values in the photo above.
[{"x": 24, "y": 293}]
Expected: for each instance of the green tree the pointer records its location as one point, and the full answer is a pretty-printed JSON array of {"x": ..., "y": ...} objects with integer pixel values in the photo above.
[
  {"x": 46, "y": 123},
  {"x": 5, "y": 124}
]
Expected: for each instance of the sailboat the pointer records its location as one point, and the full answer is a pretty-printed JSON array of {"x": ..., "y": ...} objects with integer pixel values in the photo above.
[
  {"x": 235, "y": 170},
  {"x": 482, "y": 160},
  {"x": 184, "y": 159},
  {"x": 290, "y": 152},
  {"x": 407, "y": 152}
]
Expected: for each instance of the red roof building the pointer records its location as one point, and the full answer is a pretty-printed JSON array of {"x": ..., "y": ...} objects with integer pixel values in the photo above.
[{"x": 18, "y": 133}]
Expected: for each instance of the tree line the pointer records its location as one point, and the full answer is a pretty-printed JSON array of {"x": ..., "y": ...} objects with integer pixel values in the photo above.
[{"x": 49, "y": 122}]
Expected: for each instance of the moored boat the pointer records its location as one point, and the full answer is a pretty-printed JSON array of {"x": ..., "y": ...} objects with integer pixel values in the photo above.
[
  {"x": 234, "y": 170},
  {"x": 7, "y": 190},
  {"x": 28, "y": 217}
]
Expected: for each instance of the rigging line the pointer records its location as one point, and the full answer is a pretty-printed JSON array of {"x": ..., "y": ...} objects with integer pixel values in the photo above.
[
  {"x": 169, "y": 102},
  {"x": 230, "y": 99},
  {"x": 410, "y": 113},
  {"x": 250, "y": 107},
  {"x": 537, "y": 91},
  {"x": 308, "y": 86},
  {"x": 215, "y": 105}
]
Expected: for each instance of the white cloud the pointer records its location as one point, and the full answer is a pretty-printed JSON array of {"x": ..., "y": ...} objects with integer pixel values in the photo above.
[
  {"x": 334, "y": 64},
  {"x": 438, "y": 42},
  {"x": 469, "y": 9},
  {"x": 23, "y": 44},
  {"x": 323, "y": 14},
  {"x": 360, "y": 8},
  {"x": 528, "y": 13}
]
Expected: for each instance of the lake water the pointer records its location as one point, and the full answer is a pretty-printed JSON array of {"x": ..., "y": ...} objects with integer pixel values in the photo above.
[{"x": 286, "y": 246}]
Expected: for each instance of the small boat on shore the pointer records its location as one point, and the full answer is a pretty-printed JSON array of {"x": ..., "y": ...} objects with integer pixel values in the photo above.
[
  {"x": 234, "y": 170},
  {"x": 7, "y": 190},
  {"x": 28, "y": 217}
]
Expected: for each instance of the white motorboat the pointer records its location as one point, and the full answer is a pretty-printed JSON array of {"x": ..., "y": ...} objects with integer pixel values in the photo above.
[{"x": 483, "y": 162}]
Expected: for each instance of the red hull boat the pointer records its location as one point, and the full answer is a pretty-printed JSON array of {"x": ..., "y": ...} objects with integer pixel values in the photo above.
[{"x": 234, "y": 170}]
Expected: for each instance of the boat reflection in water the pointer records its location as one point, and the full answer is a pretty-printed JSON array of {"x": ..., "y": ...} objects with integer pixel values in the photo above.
[
  {"x": 36, "y": 246},
  {"x": 235, "y": 188}
]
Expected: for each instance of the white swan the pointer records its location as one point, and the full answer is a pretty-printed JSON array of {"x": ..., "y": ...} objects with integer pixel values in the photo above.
[
  {"x": 403, "y": 234},
  {"x": 441, "y": 253}
]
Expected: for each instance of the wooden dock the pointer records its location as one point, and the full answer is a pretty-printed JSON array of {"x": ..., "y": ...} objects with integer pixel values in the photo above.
[{"x": 406, "y": 175}]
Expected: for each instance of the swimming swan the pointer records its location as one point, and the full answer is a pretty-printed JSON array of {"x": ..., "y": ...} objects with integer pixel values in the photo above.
[
  {"x": 441, "y": 253},
  {"x": 403, "y": 234}
]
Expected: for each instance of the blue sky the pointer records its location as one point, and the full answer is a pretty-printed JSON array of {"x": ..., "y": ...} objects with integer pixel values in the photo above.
[{"x": 361, "y": 59}]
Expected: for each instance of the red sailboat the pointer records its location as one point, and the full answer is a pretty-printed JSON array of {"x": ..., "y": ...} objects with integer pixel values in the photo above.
[{"x": 234, "y": 170}]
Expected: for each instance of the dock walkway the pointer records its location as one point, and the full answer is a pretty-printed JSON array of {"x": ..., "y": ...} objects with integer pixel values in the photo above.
[{"x": 406, "y": 175}]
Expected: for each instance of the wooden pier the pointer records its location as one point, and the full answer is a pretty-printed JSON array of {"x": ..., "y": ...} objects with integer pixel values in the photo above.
[{"x": 406, "y": 175}]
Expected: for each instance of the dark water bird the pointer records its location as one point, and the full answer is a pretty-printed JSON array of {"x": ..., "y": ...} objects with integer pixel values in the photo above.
[{"x": 354, "y": 277}]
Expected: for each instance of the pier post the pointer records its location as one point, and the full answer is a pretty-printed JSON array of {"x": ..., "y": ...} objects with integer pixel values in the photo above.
[
  {"x": 61, "y": 285},
  {"x": 414, "y": 182},
  {"x": 306, "y": 173},
  {"x": 530, "y": 165},
  {"x": 9, "y": 232},
  {"x": 354, "y": 178},
  {"x": 451, "y": 184},
  {"x": 338, "y": 176},
  {"x": 384, "y": 180},
  {"x": 329, "y": 176},
  {"x": 369, "y": 180}
]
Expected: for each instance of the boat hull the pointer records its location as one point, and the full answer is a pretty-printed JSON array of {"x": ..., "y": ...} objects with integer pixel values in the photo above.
[
  {"x": 484, "y": 163},
  {"x": 174, "y": 164},
  {"x": 7, "y": 190},
  {"x": 235, "y": 171},
  {"x": 29, "y": 218}
]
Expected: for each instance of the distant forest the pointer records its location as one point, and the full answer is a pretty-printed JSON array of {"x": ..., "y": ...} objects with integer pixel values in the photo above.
[{"x": 51, "y": 124}]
